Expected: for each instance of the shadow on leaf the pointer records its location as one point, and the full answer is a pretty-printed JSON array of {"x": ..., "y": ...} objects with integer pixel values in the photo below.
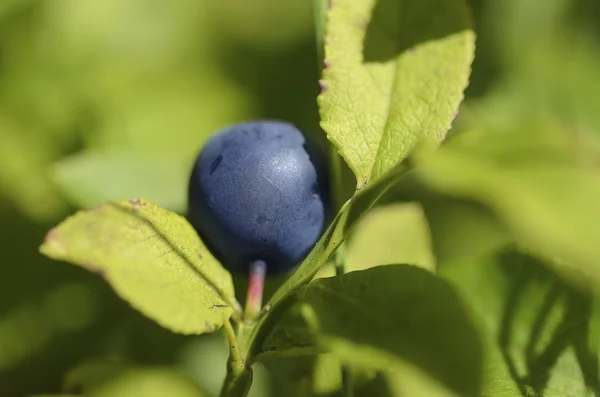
[
  {"x": 558, "y": 320},
  {"x": 398, "y": 26}
]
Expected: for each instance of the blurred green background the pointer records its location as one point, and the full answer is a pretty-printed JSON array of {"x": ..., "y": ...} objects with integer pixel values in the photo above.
[{"x": 113, "y": 99}]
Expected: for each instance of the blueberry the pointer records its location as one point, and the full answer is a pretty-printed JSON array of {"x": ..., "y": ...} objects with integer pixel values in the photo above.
[{"x": 259, "y": 191}]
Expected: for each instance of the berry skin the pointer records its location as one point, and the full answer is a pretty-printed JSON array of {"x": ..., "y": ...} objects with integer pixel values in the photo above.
[{"x": 259, "y": 192}]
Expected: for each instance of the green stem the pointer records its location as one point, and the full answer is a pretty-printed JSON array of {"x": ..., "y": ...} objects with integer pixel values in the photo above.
[
  {"x": 320, "y": 10},
  {"x": 340, "y": 268},
  {"x": 239, "y": 377}
]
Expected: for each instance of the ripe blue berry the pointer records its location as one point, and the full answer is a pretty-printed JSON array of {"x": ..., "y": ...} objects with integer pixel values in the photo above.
[{"x": 259, "y": 191}]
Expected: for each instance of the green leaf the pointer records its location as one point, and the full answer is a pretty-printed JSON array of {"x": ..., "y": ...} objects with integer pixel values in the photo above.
[
  {"x": 396, "y": 74},
  {"x": 538, "y": 330},
  {"x": 92, "y": 178},
  {"x": 540, "y": 181},
  {"x": 291, "y": 337},
  {"x": 393, "y": 318},
  {"x": 104, "y": 379},
  {"x": 395, "y": 233},
  {"x": 153, "y": 259}
]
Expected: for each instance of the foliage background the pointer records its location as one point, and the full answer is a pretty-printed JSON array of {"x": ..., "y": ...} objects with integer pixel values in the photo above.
[{"x": 111, "y": 99}]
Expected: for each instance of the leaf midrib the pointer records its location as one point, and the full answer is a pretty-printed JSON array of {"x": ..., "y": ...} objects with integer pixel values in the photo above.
[
  {"x": 188, "y": 262},
  {"x": 391, "y": 97}
]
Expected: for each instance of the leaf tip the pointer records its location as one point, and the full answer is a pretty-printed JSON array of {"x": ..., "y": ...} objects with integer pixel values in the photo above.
[{"x": 52, "y": 246}]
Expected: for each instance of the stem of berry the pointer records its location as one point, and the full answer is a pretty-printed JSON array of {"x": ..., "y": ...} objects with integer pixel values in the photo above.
[{"x": 256, "y": 283}]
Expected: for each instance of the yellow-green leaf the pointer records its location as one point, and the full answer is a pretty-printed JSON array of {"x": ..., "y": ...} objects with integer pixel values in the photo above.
[
  {"x": 395, "y": 74},
  {"x": 153, "y": 259}
]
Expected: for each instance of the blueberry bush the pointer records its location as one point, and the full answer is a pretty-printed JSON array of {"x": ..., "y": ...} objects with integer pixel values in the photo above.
[{"x": 425, "y": 207}]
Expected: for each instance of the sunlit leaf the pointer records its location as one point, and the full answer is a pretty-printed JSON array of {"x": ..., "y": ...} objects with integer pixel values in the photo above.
[
  {"x": 395, "y": 74},
  {"x": 152, "y": 258}
]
